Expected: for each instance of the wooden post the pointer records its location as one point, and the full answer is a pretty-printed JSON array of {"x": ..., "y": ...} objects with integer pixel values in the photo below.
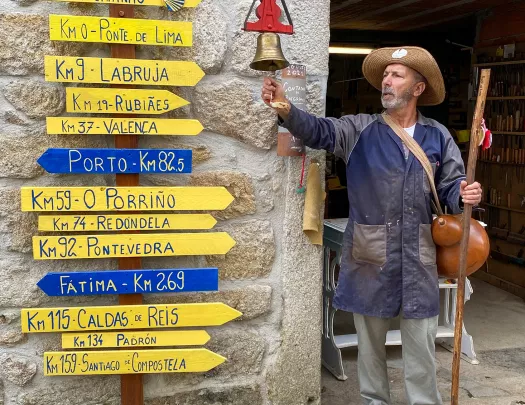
[
  {"x": 475, "y": 138},
  {"x": 131, "y": 385}
]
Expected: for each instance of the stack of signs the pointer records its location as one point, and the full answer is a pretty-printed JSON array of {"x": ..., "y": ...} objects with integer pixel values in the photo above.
[{"x": 106, "y": 209}]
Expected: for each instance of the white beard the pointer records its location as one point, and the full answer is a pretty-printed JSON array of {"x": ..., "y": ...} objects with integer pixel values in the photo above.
[
  {"x": 398, "y": 101},
  {"x": 394, "y": 103}
]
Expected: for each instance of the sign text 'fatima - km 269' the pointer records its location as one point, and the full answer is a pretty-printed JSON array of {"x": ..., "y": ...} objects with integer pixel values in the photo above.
[
  {"x": 121, "y": 101},
  {"x": 120, "y": 30},
  {"x": 107, "y": 161},
  {"x": 124, "y": 198},
  {"x": 129, "y": 282},
  {"x": 159, "y": 3},
  {"x": 126, "y": 317},
  {"x": 155, "y": 338},
  {"x": 71, "y": 69},
  {"x": 129, "y": 222},
  {"x": 122, "y": 126},
  {"x": 130, "y": 362},
  {"x": 131, "y": 245}
]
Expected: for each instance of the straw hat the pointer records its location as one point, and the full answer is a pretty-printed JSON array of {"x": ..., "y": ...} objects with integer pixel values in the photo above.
[{"x": 414, "y": 57}]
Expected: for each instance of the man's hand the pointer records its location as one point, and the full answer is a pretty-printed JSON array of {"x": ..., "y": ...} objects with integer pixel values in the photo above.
[
  {"x": 273, "y": 96},
  {"x": 470, "y": 194}
]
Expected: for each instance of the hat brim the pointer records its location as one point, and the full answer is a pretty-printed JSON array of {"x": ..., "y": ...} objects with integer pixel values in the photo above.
[{"x": 414, "y": 57}]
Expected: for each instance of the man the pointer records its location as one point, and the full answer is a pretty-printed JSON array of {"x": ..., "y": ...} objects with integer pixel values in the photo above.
[{"x": 389, "y": 261}]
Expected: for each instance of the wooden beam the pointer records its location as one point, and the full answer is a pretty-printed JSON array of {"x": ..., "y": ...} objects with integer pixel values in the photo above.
[
  {"x": 383, "y": 10},
  {"x": 504, "y": 23},
  {"x": 344, "y": 4},
  {"x": 430, "y": 10},
  {"x": 430, "y": 23},
  {"x": 131, "y": 385}
]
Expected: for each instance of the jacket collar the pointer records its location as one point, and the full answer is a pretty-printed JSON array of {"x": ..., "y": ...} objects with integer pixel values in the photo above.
[{"x": 419, "y": 135}]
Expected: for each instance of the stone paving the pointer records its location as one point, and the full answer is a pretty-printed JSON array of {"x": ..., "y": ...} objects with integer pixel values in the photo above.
[{"x": 496, "y": 320}]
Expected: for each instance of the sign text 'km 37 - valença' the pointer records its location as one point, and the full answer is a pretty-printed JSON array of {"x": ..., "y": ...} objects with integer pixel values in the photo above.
[{"x": 122, "y": 126}]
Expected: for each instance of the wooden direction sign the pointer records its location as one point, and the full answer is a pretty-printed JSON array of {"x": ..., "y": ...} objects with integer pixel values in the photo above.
[
  {"x": 101, "y": 340},
  {"x": 121, "y": 101},
  {"x": 43, "y": 199},
  {"x": 130, "y": 362},
  {"x": 119, "y": 161},
  {"x": 125, "y": 317},
  {"x": 71, "y": 69},
  {"x": 129, "y": 222},
  {"x": 129, "y": 282},
  {"x": 131, "y": 245},
  {"x": 159, "y": 3},
  {"x": 120, "y": 30},
  {"x": 122, "y": 126}
]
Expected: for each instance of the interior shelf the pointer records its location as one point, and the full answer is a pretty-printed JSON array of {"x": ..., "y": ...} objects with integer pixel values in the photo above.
[
  {"x": 503, "y": 208},
  {"x": 501, "y": 163},
  {"x": 507, "y": 98},
  {"x": 507, "y": 258},
  {"x": 511, "y": 62}
]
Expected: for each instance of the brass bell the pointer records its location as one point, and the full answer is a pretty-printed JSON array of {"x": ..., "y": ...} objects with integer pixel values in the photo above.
[{"x": 269, "y": 56}]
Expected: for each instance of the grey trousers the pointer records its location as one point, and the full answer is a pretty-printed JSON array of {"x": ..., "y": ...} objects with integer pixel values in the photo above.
[{"x": 418, "y": 337}]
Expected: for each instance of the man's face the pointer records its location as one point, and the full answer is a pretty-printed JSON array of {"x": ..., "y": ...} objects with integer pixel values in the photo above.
[{"x": 399, "y": 86}]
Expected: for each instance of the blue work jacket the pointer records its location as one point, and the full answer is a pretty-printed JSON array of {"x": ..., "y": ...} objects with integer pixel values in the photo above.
[{"x": 389, "y": 258}]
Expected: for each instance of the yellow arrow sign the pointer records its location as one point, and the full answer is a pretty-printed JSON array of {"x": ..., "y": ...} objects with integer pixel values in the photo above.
[
  {"x": 122, "y": 126},
  {"x": 121, "y": 71},
  {"x": 130, "y": 362},
  {"x": 126, "y": 317},
  {"x": 160, "y": 3},
  {"x": 135, "y": 222},
  {"x": 121, "y": 101},
  {"x": 120, "y": 30},
  {"x": 124, "y": 199},
  {"x": 133, "y": 245},
  {"x": 100, "y": 340}
]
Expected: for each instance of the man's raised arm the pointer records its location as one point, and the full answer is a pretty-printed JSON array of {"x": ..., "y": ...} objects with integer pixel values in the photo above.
[{"x": 338, "y": 136}]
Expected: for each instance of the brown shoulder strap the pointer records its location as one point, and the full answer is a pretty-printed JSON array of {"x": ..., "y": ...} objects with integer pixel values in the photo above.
[{"x": 420, "y": 155}]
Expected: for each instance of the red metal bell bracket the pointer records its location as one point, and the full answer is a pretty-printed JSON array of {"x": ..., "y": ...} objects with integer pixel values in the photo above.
[{"x": 268, "y": 14}]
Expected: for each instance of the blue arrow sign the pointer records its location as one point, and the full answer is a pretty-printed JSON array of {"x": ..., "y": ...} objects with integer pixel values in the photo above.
[
  {"x": 130, "y": 282},
  {"x": 109, "y": 161}
]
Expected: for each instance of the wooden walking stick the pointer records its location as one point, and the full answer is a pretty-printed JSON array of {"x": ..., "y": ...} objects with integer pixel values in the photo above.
[{"x": 476, "y": 136}]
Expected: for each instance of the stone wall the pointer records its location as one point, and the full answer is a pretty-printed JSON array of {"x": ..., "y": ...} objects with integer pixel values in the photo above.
[{"x": 273, "y": 275}]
